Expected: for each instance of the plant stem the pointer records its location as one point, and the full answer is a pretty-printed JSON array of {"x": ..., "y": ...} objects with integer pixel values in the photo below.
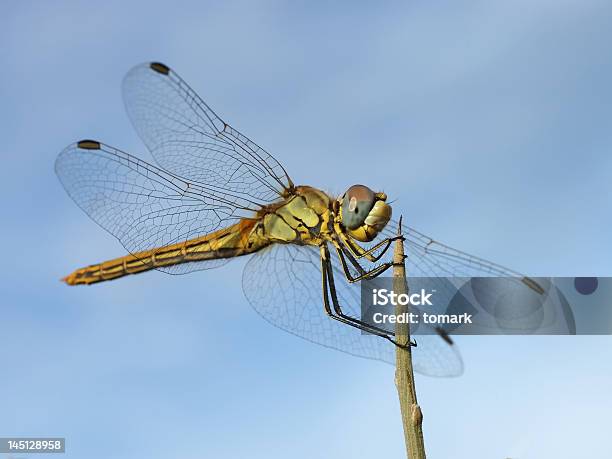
[{"x": 412, "y": 417}]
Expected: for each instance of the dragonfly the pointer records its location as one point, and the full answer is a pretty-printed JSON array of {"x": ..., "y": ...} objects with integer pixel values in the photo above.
[{"x": 215, "y": 195}]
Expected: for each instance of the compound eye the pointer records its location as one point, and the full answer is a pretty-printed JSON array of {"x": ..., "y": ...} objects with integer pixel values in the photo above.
[{"x": 356, "y": 205}]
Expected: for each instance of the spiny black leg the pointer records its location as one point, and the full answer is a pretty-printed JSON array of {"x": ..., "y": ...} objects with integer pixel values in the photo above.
[
  {"x": 327, "y": 270},
  {"x": 328, "y": 309},
  {"x": 329, "y": 288},
  {"x": 363, "y": 273},
  {"x": 412, "y": 343},
  {"x": 360, "y": 252}
]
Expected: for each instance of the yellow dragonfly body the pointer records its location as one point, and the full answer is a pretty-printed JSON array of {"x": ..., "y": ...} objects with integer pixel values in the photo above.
[
  {"x": 215, "y": 195},
  {"x": 305, "y": 217}
]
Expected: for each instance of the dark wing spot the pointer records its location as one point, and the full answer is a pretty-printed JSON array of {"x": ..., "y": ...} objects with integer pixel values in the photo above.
[
  {"x": 445, "y": 336},
  {"x": 160, "y": 68},
  {"x": 88, "y": 144}
]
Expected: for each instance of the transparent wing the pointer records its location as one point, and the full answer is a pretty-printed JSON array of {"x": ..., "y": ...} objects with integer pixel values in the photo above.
[
  {"x": 142, "y": 205},
  {"x": 536, "y": 303},
  {"x": 428, "y": 257},
  {"x": 283, "y": 284},
  {"x": 187, "y": 138}
]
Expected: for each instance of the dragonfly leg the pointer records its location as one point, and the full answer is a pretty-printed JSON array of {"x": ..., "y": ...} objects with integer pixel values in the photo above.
[
  {"x": 329, "y": 290},
  {"x": 412, "y": 343},
  {"x": 360, "y": 252},
  {"x": 363, "y": 274}
]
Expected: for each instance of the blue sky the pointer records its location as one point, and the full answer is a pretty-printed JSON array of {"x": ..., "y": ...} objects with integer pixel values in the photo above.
[{"x": 490, "y": 125}]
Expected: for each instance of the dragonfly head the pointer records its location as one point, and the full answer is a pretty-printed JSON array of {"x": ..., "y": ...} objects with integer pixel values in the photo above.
[{"x": 363, "y": 212}]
